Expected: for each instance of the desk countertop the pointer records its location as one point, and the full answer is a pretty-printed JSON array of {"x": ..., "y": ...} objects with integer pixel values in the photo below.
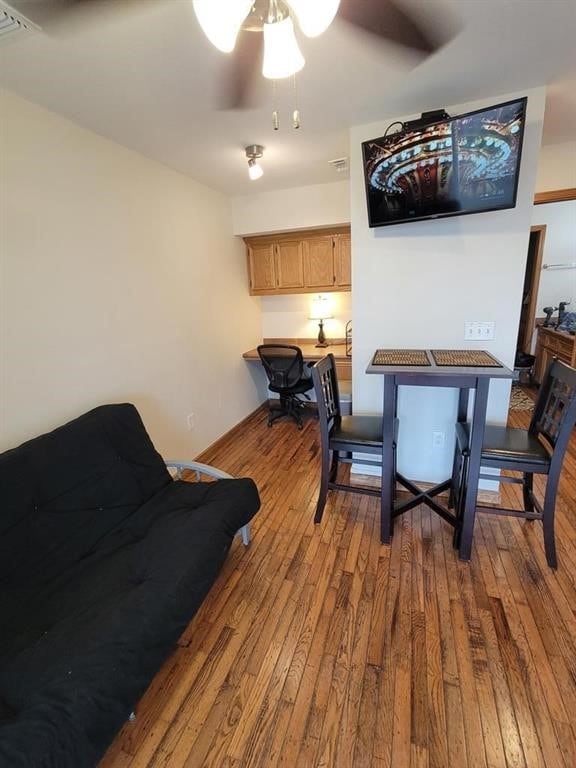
[{"x": 309, "y": 351}]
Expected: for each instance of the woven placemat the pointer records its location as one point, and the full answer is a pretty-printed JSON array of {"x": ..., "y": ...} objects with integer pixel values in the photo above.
[
  {"x": 400, "y": 357},
  {"x": 464, "y": 358}
]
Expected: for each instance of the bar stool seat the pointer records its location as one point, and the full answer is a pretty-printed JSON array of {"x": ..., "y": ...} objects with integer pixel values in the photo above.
[
  {"x": 365, "y": 430},
  {"x": 504, "y": 444}
]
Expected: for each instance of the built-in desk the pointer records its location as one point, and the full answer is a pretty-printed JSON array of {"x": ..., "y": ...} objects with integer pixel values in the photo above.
[{"x": 311, "y": 353}]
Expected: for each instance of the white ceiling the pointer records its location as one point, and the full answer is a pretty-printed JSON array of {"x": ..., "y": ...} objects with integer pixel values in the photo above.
[{"x": 141, "y": 72}]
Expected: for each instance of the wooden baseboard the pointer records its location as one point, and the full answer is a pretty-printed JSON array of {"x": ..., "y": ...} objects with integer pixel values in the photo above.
[{"x": 217, "y": 444}]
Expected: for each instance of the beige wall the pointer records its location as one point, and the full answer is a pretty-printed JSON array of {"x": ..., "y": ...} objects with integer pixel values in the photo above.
[
  {"x": 556, "y": 167},
  {"x": 316, "y": 205},
  {"x": 120, "y": 281}
]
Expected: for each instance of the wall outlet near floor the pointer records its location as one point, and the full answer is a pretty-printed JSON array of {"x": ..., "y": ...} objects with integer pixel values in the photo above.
[
  {"x": 190, "y": 422},
  {"x": 478, "y": 331},
  {"x": 438, "y": 439}
]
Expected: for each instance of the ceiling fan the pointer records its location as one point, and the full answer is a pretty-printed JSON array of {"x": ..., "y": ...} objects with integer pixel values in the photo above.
[{"x": 260, "y": 34}]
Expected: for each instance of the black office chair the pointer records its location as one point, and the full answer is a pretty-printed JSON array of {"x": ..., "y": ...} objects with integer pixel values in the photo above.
[
  {"x": 538, "y": 450},
  {"x": 342, "y": 435},
  {"x": 284, "y": 366}
]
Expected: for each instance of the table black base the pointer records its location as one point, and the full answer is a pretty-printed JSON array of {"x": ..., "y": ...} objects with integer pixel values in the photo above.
[{"x": 424, "y": 497}]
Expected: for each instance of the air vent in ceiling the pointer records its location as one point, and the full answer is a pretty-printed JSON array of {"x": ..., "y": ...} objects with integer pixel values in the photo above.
[
  {"x": 13, "y": 23},
  {"x": 340, "y": 164}
]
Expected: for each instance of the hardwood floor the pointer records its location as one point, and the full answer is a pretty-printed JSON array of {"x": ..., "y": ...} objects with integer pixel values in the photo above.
[{"x": 317, "y": 646}]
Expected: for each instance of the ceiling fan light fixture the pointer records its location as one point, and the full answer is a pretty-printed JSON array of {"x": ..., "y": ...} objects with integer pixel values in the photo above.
[
  {"x": 315, "y": 17},
  {"x": 221, "y": 20},
  {"x": 282, "y": 56}
]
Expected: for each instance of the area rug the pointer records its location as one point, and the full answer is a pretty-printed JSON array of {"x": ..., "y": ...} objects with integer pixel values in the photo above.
[{"x": 519, "y": 400}]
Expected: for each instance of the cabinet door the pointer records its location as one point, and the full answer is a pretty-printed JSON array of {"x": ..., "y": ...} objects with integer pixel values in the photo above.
[
  {"x": 262, "y": 267},
  {"x": 343, "y": 261},
  {"x": 543, "y": 357},
  {"x": 319, "y": 263},
  {"x": 289, "y": 265}
]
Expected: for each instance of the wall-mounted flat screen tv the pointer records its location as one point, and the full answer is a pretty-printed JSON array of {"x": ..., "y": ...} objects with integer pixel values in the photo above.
[{"x": 464, "y": 164}]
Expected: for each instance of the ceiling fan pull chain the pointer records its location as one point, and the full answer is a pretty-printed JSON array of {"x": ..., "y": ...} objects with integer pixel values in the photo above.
[
  {"x": 275, "y": 115},
  {"x": 296, "y": 112}
]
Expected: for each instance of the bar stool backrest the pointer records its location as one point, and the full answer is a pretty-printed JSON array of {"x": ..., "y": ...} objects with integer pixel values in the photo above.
[
  {"x": 326, "y": 389},
  {"x": 555, "y": 412}
]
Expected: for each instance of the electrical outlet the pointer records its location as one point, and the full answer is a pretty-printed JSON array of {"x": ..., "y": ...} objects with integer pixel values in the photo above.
[
  {"x": 479, "y": 331},
  {"x": 438, "y": 439},
  {"x": 190, "y": 422}
]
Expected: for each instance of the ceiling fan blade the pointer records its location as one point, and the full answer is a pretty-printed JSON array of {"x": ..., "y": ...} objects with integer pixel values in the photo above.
[
  {"x": 243, "y": 67},
  {"x": 385, "y": 18}
]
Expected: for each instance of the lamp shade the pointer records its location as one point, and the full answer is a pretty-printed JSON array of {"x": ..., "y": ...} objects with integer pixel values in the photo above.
[
  {"x": 320, "y": 309},
  {"x": 314, "y": 16},
  {"x": 282, "y": 56},
  {"x": 221, "y": 20}
]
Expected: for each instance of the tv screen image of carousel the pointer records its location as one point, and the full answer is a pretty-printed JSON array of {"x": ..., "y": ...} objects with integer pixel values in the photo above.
[{"x": 464, "y": 164}]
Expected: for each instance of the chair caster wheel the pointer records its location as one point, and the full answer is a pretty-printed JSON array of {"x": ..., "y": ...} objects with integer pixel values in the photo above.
[
  {"x": 269, "y": 423},
  {"x": 300, "y": 426}
]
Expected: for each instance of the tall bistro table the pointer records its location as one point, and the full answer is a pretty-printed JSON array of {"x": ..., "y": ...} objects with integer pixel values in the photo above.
[{"x": 435, "y": 368}]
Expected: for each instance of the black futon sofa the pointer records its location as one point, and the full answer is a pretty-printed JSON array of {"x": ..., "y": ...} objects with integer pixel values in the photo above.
[{"x": 104, "y": 559}]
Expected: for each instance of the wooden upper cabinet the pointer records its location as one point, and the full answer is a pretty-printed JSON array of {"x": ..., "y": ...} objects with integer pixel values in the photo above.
[
  {"x": 289, "y": 265},
  {"x": 319, "y": 263},
  {"x": 262, "y": 267},
  {"x": 299, "y": 262},
  {"x": 343, "y": 261}
]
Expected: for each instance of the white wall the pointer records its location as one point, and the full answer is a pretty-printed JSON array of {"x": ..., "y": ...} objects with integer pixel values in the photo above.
[
  {"x": 287, "y": 316},
  {"x": 318, "y": 205},
  {"x": 556, "y": 167},
  {"x": 559, "y": 248},
  {"x": 416, "y": 284},
  {"x": 120, "y": 281}
]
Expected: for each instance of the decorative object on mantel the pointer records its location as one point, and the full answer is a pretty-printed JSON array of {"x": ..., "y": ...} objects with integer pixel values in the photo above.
[{"x": 321, "y": 311}]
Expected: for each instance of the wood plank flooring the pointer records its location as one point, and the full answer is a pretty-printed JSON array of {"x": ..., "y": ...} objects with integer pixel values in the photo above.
[{"x": 317, "y": 646}]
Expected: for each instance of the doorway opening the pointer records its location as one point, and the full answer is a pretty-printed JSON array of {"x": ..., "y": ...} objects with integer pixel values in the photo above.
[
  {"x": 530, "y": 290},
  {"x": 524, "y": 360}
]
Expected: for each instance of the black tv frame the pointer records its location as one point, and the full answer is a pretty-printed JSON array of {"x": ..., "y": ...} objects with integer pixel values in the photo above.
[{"x": 372, "y": 224}]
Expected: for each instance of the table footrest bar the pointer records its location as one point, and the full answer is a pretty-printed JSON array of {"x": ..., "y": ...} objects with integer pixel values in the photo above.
[
  {"x": 444, "y": 514},
  {"x": 440, "y": 488},
  {"x": 406, "y": 506}
]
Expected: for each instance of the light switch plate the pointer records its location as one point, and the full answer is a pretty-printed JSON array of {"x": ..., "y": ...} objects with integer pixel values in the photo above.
[{"x": 479, "y": 331}]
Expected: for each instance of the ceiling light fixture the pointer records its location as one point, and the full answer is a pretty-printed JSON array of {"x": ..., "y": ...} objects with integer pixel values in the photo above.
[
  {"x": 254, "y": 152},
  {"x": 221, "y": 20},
  {"x": 282, "y": 56}
]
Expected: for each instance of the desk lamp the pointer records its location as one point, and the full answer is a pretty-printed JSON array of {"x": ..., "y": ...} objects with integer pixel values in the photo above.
[{"x": 320, "y": 311}]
